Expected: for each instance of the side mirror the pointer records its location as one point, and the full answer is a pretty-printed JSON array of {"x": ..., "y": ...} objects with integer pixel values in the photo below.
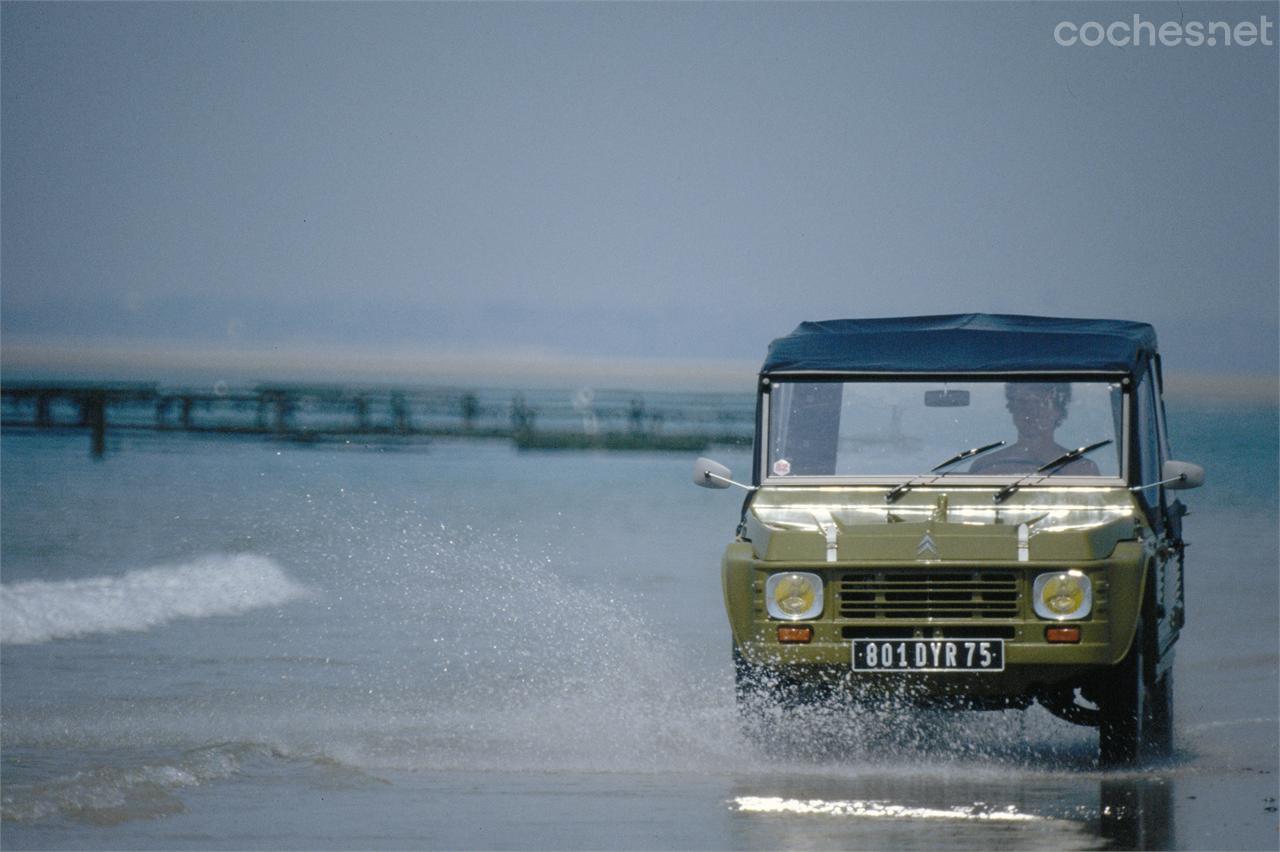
[
  {"x": 1178, "y": 475},
  {"x": 710, "y": 474}
]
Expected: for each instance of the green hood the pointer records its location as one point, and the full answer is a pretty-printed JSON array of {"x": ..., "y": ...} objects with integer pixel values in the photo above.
[{"x": 938, "y": 525}]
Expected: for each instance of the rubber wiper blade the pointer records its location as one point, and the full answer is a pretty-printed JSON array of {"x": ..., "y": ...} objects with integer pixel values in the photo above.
[
  {"x": 1049, "y": 468},
  {"x": 967, "y": 454},
  {"x": 1070, "y": 456},
  {"x": 899, "y": 490}
]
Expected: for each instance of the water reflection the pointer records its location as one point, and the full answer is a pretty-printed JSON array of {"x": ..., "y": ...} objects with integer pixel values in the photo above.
[
  {"x": 956, "y": 808},
  {"x": 1137, "y": 813}
]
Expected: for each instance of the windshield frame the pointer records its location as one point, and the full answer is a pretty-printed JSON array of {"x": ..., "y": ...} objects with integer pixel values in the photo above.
[{"x": 762, "y": 477}]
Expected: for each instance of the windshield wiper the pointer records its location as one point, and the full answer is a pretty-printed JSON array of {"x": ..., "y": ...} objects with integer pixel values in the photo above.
[
  {"x": 1050, "y": 468},
  {"x": 899, "y": 490}
]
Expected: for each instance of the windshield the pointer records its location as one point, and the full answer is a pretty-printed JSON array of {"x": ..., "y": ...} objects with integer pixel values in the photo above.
[{"x": 906, "y": 428}]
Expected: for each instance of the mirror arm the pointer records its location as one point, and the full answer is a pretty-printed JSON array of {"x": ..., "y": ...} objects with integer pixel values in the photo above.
[
  {"x": 1182, "y": 477},
  {"x": 709, "y": 475}
]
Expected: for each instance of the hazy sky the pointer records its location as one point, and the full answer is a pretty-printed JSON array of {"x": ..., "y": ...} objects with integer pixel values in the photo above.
[{"x": 621, "y": 181}]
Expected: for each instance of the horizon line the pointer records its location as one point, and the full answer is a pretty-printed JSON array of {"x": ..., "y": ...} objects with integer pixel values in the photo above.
[{"x": 528, "y": 367}]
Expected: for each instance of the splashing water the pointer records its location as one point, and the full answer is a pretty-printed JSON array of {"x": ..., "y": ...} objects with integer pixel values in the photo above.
[{"x": 492, "y": 659}]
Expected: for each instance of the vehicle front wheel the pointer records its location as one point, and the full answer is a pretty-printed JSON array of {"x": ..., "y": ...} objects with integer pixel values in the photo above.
[{"x": 1136, "y": 712}]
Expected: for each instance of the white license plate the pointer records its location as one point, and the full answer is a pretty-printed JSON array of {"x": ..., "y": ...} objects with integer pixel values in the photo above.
[{"x": 928, "y": 655}]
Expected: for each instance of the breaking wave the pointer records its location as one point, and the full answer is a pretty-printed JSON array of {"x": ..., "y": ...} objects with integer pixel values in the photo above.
[
  {"x": 39, "y": 611},
  {"x": 152, "y": 785}
]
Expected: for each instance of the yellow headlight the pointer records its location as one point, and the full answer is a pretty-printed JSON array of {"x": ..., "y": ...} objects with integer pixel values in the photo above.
[
  {"x": 794, "y": 596},
  {"x": 1062, "y": 596}
]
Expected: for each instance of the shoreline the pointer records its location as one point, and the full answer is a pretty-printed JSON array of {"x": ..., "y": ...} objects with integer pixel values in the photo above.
[{"x": 532, "y": 369}]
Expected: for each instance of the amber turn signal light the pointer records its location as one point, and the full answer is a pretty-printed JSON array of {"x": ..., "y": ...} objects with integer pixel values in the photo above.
[
  {"x": 1062, "y": 635},
  {"x": 792, "y": 635}
]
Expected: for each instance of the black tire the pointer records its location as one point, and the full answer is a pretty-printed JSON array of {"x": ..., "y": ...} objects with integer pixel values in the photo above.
[
  {"x": 1160, "y": 740},
  {"x": 1129, "y": 719}
]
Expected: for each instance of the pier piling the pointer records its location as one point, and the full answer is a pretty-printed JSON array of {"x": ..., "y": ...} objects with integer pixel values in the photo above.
[{"x": 94, "y": 412}]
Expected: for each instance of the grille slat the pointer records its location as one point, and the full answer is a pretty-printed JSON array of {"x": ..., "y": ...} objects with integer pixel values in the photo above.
[{"x": 949, "y": 594}]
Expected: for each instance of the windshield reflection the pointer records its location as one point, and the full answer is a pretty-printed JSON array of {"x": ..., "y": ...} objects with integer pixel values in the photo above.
[{"x": 902, "y": 428}]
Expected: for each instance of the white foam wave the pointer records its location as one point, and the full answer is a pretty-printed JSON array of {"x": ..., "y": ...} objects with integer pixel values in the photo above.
[
  {"x": 38, "y": 611},
  {"x": 150, "y": 788}
]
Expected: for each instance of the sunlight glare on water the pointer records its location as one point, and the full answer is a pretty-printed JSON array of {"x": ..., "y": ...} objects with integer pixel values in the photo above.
[{"x": 875, "y": 810}]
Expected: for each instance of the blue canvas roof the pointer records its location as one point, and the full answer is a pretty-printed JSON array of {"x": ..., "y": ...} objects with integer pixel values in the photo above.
[{"x": 964, "y": 343}]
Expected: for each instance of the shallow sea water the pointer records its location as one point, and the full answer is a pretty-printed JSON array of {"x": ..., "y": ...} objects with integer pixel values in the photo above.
[{"x": 237, "y": 644}]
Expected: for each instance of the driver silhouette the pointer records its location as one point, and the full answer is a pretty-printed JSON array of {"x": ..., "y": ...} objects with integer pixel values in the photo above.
[{"x": 1038, "y": 409}]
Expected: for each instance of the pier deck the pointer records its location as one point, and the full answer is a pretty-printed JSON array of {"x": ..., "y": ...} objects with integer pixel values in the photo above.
[{"x": 542, "y": 420}]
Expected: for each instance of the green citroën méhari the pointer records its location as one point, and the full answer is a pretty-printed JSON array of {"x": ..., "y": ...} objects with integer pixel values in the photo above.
[{"x": 970, "y": 510}]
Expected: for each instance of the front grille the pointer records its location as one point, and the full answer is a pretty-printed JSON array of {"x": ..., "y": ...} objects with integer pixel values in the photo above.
[
  {"x": 909, "y": 594},
  {"x": 946, "y": 631}
]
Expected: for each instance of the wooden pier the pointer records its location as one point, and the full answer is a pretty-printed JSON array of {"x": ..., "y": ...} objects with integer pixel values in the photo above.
[{"x": 542, "y": 420}]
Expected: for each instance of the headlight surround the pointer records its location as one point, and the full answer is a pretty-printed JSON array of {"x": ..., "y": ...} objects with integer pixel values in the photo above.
[
  {"x": 1062, "y": 595},
  {"x": 793, "y": 595}
]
